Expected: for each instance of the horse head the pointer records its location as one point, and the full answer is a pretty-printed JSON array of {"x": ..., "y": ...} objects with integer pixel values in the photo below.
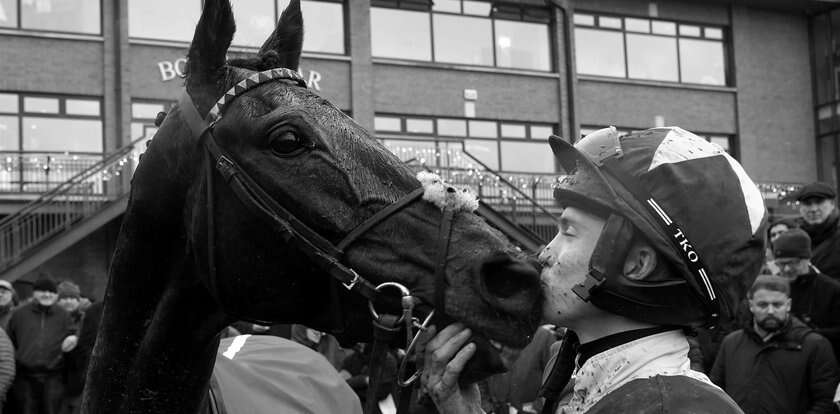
[{"x": 253, "y": 196}]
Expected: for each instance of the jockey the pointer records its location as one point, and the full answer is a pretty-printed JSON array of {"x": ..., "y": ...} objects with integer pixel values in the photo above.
[{"x": 656, "y": 225}]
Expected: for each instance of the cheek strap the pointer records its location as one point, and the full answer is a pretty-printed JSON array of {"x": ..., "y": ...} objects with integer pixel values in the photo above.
[{"x": 608, "y": 257}]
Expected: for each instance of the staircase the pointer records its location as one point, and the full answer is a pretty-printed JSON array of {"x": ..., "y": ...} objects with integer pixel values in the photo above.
[
  {"x": 521, "y": 206},
  {"x": 67, "y": 213},
  {"x": 98, "y": 194}
]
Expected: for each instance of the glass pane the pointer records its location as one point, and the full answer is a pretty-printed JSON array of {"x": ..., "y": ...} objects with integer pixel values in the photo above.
[
  {"x": 609, "y": 22},
  {"x": 387, "y": 123},
  {"x": 541, "y": 132},
  {"x": 825, "y": 120},
  {"x": 721, "y": 141},
  {"x": 57, "y": 134},
  {"x": 513, "y": 131},
  {"x": 8, "y": 13},
  {"x": 522, "y": 45},
  {"x": 142, "y": 130},
  {"x": 328, "y": 34},
  {"x": 483, "y": 129},
  {"x": 82, "y": 107},
  {"x": 652, "y": 57},
  {"x": 485, "y": 151},
  {"x": 145, "y": 110},
  {"x": 477, "y": 8},
  {"x": 8, "y": 103},
  {"x": 178, "y": 23},
  {"x": 451, "y": 6},
  {"x": 665, "y": 28},
  {"x": 78, "y": 16},
  {"x": 419, "y": 126},
  {"x": 423, "y": 152},
  {"x": 527, "y": 157},
  {"x": 687, "y": 30},
  {"x": 255, "y": 21},
  {"x": 828, "y": 160},
  {"x": 584, "y": 19},
  {"x": 599, "y": 52},
  {"x": 637, "y": 25},
  {"x": 460, "y": 39},
  {"x": 400, "y": 34},
  {"x": 9, "y": 133},
  {"x": 452, "y": 127},
  {"x": 823, "y": 51},
  {"x": 41, "y": 105},
  {"x": 713, "y": 33},
  {"x": 702, "y": 61}
]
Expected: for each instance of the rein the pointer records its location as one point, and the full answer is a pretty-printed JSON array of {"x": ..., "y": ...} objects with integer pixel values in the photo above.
[{"x": 322, "y": 252}]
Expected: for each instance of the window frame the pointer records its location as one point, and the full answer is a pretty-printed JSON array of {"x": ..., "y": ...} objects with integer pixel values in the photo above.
[
  {"x": 523, "y": 16},
  {"x": 437, "y": 139},
  {"x": 725, "y": 41},
  {"x": 277, "y": 12},
  {"x": 19, "y": 23},
  {"x": 60, "y": 114}
]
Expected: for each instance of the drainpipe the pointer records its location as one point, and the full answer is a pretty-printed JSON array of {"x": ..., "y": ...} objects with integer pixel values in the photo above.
[{"x": 567, "y": 16}]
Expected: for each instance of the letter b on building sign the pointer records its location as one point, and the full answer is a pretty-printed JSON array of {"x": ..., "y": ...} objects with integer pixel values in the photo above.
[{"x": 171, "y": 70}]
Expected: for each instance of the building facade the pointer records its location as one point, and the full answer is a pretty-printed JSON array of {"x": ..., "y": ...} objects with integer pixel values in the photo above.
[{"x": 449, "y": 84}]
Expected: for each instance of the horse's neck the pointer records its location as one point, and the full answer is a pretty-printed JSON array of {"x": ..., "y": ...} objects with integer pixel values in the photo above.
[{"x": 150, "y": 261}]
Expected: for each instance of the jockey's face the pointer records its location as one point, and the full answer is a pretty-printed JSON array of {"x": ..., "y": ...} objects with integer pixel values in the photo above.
[{"x": 565, "y": 264}]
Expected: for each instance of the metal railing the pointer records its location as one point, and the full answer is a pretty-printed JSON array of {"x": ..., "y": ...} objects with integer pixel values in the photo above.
[
  {"x": 24, "y": 172},
  {"x": 524, "y": 199},
  {"x": 95, "y": 184}
]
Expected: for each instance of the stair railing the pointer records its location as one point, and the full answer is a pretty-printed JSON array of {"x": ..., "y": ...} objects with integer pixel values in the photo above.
[
  {"x": 527, "y": 209},
  {"x": 70, "y": 202}
]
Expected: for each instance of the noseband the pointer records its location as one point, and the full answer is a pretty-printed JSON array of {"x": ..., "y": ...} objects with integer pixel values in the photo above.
[{"x": 325, "y": 254}]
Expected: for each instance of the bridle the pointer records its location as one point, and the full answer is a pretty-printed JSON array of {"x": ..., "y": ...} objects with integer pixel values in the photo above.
[{"x": 326, "y": 255}]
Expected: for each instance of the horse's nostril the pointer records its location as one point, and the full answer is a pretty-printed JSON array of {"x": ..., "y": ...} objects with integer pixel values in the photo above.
[{"x": 503, "y": 277}]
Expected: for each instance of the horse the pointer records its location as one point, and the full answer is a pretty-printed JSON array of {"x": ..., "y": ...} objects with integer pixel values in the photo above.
[{"x": 259, "y": 200}]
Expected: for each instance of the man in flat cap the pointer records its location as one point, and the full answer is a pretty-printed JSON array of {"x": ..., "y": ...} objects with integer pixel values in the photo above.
[
  {"x": 818, "y": 211},
  {"x": 815, "y": 297}
]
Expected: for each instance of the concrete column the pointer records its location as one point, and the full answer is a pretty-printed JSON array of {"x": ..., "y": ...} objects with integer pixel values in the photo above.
[{"x": 361, "y": 67}]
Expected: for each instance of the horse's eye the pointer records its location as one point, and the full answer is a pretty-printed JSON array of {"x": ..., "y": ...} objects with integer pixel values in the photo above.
[{"x": 287, "y": 143}]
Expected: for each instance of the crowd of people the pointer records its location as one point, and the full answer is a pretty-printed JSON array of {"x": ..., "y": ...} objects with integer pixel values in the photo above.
[{"x": 637, "y": 270}]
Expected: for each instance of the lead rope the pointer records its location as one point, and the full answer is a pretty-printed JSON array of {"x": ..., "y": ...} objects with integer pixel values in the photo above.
[{"x": 385, "y": 330}]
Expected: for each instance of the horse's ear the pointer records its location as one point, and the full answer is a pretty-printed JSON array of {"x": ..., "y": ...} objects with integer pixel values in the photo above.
[
  {"x": 287, "y": 39},
  {"x": 206, "y": 58}
]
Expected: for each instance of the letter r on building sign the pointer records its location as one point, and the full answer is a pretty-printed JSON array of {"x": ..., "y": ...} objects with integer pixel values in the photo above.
[{"x": 314, "y": 78}]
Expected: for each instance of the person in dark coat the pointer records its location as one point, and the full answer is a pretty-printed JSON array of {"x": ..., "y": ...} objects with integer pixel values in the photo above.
[
  {"x": 41, "y": 332},
  {"x": 819, "y": 217},
  {"x": 815, "y": 297},
  {"x": 777, "y": 365},
  {"x": 7, "y": 367}
]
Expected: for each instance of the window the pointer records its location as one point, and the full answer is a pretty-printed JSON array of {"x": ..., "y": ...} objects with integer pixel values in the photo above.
[
  {"x": 45, "y": 140},
  {"x": 255, "y": 20},
  {"x": 145, "y": 19},
  {"x": 50, "y": 123},
  {"x": 462, "y": 32},
  {"x": 70, "y": 16},
  {"x": 649, "y": 49},
  {"x": 400, "y": 34},
  {"x": 514, "y": 147},
  {"x": 143, "y": 115}
]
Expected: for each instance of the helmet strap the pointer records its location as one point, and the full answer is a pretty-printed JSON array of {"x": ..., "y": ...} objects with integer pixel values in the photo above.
[{"x": 608, "y": 257}]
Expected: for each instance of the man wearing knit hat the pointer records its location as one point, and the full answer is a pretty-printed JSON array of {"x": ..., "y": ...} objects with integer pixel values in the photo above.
[
  {"x": 41, "y": 332},
  {"x": 819, "y": 218},
  {"x": 815, "y": 297}
]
